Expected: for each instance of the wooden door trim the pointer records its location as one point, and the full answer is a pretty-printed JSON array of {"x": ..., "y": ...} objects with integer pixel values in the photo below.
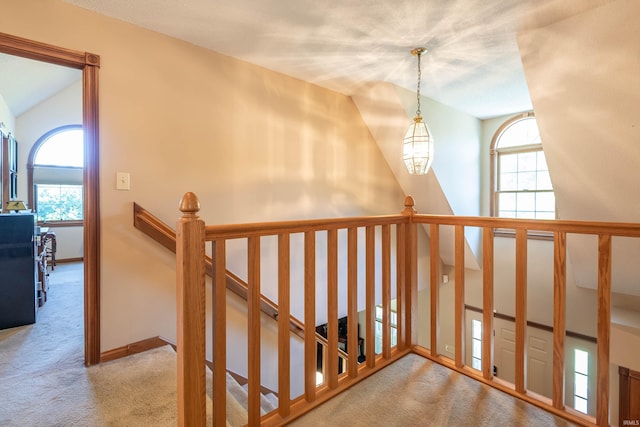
[{"x": 89, "y": 63}]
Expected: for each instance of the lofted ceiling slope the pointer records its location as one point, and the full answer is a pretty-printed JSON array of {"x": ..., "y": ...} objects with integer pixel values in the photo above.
[{"x": 472, "y": 62}]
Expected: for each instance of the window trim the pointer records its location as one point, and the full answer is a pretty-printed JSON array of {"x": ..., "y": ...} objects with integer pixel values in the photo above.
[
  {"x": 30, "y": 168},
  {"x": 493, "y": 179}
]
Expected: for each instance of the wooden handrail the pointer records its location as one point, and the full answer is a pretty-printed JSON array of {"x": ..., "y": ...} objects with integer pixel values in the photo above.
[
  {"x": 153, "y": 227},
  {"x": 406, "y": 288}
]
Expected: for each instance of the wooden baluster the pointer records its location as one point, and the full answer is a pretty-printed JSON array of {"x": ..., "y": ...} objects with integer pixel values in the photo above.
[
  {"x": 352, "y": 301},
  {"x": 386, "y": 291},
  {"x": 310, "y": 344},
  {"x": 332, "y": 309},
  {"x": 411, "y": 275},
  {"x": 284, "y": 338},
  {"x": 435, "y": 287},
  {"x": 401, "y": 275},
  {"x": 370, "y": 295},
  {"x": 459, "y": 296},
  {"x": 604, "y": 329},
  {"x": 521, "y": 310},
  {"x": 487, "y": 303},
  {"x": 253, "y": 316},
  {"x": 190, "y": 314},
  {"x": 219, "y": 332},
  {"x": 559, "y": 315}
]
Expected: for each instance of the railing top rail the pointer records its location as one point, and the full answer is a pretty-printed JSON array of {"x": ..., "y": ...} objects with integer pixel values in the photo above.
[
  {"x": 235, "y": 231},
  {"x": 627, "y": 229}
]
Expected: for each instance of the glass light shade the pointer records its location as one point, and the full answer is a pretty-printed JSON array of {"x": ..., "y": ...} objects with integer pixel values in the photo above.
[{"x": 418, "y": 147}]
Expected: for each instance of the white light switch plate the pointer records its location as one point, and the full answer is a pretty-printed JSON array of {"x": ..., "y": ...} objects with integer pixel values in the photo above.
[{"x": 123, "y": 181}]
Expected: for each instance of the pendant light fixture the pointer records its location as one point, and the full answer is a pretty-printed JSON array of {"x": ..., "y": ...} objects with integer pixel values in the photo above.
[{"x": 418, "y": 141}]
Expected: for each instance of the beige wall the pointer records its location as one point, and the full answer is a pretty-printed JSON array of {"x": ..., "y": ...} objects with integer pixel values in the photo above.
[
  {"x": 253, "y": 144},
  {"x": 6, "y": 116}
]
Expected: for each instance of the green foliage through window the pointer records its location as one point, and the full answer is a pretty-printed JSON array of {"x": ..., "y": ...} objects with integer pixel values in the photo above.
[{"x": 59, "y": 202}]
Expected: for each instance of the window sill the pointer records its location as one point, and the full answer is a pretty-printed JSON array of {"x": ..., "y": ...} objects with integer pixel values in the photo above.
[{"x": 75, "y": 223}]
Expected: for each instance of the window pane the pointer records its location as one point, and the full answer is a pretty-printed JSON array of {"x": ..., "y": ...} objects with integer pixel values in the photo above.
[
  {"x": 59, "y": 202},
  {"x": 582, "y": 362},
  {"x": 476, "y": 364},
  {"x": 507, "y": 214},
  {"x": 394, "y": 336},
  {"x": 508, "y": 162},
  {"x": 542, "y": 161},
  {"x": 378, "y": 312},
  {"x": 476, "y": 349},
  {"x": 581, "y": 385},
  {"x": 543, "y": 181},
  {"x": 545, "y": 215},
  {"x": 521, "y": 132},
  {"x": 507, "y": 201},
  {"x": 508, "y": 181},
  {"x": 526, "y": 202},
  {"x": 527, "y": 181},
  {"x": 476, "y": 329},
  {"x": 580, "y": 404},
  {"x": 527, "y": 161},
  {"x": 64, "y": 148},
  {"x": 546, "y": 202}
]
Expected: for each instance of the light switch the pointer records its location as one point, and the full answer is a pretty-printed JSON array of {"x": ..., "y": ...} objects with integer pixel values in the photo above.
[{"x": 123, "y": 181}]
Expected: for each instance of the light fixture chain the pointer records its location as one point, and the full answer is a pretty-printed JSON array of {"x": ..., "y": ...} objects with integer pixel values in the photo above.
[{"x": 419, "y": 77}]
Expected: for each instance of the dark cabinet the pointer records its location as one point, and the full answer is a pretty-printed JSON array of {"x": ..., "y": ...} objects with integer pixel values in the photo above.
[{"x": 17, "y": 270}]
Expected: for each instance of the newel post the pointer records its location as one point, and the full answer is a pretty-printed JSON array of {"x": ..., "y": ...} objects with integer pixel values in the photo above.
[
  {"x": 410, "y": 304},
  {"x": 190, "y": 287}
]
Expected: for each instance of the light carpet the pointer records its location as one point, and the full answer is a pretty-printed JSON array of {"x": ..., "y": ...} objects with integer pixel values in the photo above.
[
  {"x": 43, "y": 381},
  {"x": 417, "y": 392}
]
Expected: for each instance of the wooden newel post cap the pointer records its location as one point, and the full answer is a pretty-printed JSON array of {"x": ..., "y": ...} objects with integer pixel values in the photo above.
[
  {"x": 189, "y": 204},
  {"x": 409, "y": 203}
]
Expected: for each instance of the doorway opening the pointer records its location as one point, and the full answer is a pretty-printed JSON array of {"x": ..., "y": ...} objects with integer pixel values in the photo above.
[{"x": 89, "y": 64}]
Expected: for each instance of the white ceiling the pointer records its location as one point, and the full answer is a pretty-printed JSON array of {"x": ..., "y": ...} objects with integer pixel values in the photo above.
[
  {"x": 25, "y": 82},
  {"x": 472, "y": 64}
]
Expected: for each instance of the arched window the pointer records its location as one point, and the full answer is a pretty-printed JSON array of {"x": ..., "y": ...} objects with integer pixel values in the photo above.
[
  {"x": 55, "y": 175},
  {"x": 521, "y": 185}
]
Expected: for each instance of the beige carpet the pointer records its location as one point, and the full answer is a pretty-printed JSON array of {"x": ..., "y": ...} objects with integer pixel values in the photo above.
[
  {"x": 43, "y": 381},
  {"x": 417, "y": 392}
]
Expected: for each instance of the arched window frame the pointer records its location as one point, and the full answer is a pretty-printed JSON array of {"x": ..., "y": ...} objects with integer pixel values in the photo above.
[
  {"x": 30, "y": 168},
  {"x": 494, "y": 166}
]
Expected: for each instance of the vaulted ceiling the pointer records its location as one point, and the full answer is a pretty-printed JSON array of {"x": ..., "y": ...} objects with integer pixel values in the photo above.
[{"x": 472, "y": 62}]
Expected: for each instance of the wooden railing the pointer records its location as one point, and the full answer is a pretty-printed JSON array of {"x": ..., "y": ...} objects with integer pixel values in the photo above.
[
  {"x": 156, "y": 229},
  {"x": 192, "y": 235}
]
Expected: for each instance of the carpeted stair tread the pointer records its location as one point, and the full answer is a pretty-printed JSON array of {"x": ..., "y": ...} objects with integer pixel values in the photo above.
[{"x": 273, "y": 399}]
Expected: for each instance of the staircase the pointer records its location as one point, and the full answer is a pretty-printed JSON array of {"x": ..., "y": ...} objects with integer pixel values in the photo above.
[{"x": 238, "y": 402}]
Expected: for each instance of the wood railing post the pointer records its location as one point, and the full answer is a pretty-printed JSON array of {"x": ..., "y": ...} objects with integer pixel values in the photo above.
[
  {"x": 411, "y": 275},
  {"x": 521, "y": 311},
  {"x": 284, "y": 338},
  {"x": 310, "y": 345},
  {"x": 352, "y": 301},
  {"x": 386, "y": 291},
  {"x": 487, "y": 303},
  {"x": 370, "y": 296},
  {"x": 434, "y": 287},
  {"x": 559, "y": 315},
  {"x": 604, "y": 329},
  {"x": 459, "y": 297},
  {"x": 190, "y": 314}
]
